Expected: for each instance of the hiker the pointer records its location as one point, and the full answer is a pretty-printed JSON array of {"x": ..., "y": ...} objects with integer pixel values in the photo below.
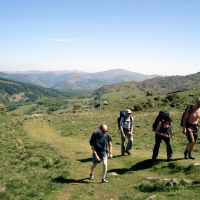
[
  {"x": 163, "y": 132},
  {"x": 101, "y": 145},
  {"x": 190, "y": 128},
  {"x": 126, "y": 130}
]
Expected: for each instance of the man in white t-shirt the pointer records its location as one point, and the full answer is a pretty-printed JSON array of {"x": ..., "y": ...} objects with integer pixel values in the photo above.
[{"x": 126, "y": 130}]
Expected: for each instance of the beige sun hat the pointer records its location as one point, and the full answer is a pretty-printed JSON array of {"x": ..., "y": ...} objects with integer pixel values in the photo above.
[{"x": 128, "y": 111}]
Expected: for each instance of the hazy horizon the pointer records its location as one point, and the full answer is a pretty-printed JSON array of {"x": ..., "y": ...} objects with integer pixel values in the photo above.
[
  {"x": 148, "y": 37},
  {"x": 74, "y": 70}
]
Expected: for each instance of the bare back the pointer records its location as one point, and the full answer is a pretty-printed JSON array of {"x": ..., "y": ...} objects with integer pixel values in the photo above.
[{"x": 194, "y": 116}]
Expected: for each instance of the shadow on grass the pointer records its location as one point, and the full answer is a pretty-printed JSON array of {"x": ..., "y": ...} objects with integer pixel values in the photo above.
[
  {"x": 145, "y": 164},
  {"x": 63, "y": 180},
  {"x": 85, "y": 160}
]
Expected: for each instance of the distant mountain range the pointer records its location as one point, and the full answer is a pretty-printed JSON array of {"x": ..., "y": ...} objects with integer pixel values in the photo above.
[
  {"x": 75, "y": 80},
  {"x": 15, "y": 91}
]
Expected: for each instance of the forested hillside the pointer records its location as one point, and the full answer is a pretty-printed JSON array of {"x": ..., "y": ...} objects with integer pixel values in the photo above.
[{"x": 11, "y": 91}]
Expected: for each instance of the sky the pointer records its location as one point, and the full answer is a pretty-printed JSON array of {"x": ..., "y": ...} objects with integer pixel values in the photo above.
[{"x": 146, "y": 36}]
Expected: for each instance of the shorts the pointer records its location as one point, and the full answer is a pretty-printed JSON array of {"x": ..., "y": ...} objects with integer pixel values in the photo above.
[
  {"x": 103, "y": 157},
  {"x": 192, "y": 133}
]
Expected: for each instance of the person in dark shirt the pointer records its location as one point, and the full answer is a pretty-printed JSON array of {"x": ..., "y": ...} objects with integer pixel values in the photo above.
[
  {"x": 101, "y": 145},
  {"x": 163, "y": 132}
]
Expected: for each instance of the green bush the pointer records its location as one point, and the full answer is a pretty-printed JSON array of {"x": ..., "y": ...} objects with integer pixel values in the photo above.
[
  {"x": 156, "y": 187},
  {"x": 11, "y": 107}
]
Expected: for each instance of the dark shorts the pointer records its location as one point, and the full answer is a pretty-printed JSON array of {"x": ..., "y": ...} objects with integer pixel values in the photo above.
[
  {"x": 103, "y": 156},
  {"x": 192, "y": 132},
  {"x": 126, "y": 131}
]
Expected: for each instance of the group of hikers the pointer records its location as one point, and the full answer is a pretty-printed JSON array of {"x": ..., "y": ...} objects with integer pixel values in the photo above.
[{"x": 101, "y": 140}]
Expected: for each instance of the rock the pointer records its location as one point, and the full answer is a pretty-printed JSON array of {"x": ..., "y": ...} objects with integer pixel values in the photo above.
[
  {"x": 185, "y": 181},
  {"x": 174, "y": 181},
  {"x": 2, "y": 189},
  {"x": 114, "y": 174},
  {"x": 152, "y": 180},
  {"x": 169, "y": 184},
  {"x": 166, "y": 180},
  {"x": 151, "y": 197},
  {"x": 37, "y": 115},
  {"x": 196, "y": 164}
]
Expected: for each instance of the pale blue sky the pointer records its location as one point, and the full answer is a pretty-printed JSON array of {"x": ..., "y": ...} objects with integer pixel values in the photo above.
[{"x": 146, "y": 36}]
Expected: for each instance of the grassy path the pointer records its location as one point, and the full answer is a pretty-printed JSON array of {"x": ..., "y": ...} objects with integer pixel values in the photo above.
[
  {"x": 73, "y": 148},
  {"x": 78, "y": 151}
]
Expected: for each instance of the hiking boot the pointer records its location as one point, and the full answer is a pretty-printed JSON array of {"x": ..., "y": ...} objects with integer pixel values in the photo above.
[
  {"x": 91, "y": 177},
  {"x": 169, "y": 157},
  {"x": 186, "y": 154},
  {"x": 154, "y": 159},
  {"x": 128, "y": 152},
  {"x": 190, "y": 155},
  {"x": 104, "y": 180}
]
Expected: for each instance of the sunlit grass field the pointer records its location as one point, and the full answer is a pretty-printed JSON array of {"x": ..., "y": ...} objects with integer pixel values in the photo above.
[{"x": 49, "y": 157}]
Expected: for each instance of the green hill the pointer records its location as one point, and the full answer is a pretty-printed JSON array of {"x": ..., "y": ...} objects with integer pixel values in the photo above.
[
  {"x": 170, "y": 83},
  {"x": 12, "y": 91},
  {"x": 150, "y": 86}
]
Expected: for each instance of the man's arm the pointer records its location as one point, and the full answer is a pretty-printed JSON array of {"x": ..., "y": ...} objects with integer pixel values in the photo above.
[
  {"x": 110, "y": 149},
  {"x": 95, "y": 153},
  {"x": 157, "y": 131},
  {"x": 132, "y": 125},
  {"x": 186, "y": 116}
]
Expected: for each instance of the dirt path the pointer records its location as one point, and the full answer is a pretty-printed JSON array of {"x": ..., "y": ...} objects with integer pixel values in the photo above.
[{"x": 66, "y": 146}]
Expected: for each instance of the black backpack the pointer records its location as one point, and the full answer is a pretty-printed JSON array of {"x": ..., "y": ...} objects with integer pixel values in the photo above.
[
  {"x": 162, "y": 115},
  {"x": 188, "y": 109},
  {"x": 122, "y": 114}
]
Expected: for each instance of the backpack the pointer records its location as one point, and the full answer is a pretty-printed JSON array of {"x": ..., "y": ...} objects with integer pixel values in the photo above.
[
  {"x": 188, "y": 109},
  {"x": 122, "y": 114},
  {"x": 162, "y": 115}
]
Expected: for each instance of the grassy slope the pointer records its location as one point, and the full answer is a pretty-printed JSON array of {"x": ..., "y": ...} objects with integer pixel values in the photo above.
[
  {"x": 27, "y": 167},
  {"x": 50, "y": 157},
  {"x": 132, "y": 170}
]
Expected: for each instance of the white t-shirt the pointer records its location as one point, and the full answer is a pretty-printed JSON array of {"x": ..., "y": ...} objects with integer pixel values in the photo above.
[{"x": 126, "y": 123}]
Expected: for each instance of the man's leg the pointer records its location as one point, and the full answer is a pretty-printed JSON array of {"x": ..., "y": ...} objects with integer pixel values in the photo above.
[
  {"x": 104, "y": 170},
  {"x": 129, "y": 144},
  {"x": 158, "y": 140},
  {"x": 194, "y": 139},
  {"x": 168, "y": 147},
  {"x": 95, "y": 162},
  {"x": 92, "y": 170},
  {"x": 122, "y": 145},
  {"x": 189, "y": 147}
]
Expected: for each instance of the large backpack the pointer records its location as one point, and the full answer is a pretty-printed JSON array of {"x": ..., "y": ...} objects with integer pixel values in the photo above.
[
  {"x": 162, "y": 115},
  {"x": 123, "y": 114},
  {"x": 188, "y": 109}
]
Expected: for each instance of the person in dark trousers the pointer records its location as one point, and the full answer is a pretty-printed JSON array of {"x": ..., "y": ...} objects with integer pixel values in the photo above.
[
  {"x": 190, "y": 128},
  {"x": 126, "y": 130},
  {"x": 101, "y": 145},
  {"x": 163, "y": 132}
]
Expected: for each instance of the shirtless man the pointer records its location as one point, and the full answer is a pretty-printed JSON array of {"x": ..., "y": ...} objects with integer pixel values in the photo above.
[{"x": 190, "y": 128}]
